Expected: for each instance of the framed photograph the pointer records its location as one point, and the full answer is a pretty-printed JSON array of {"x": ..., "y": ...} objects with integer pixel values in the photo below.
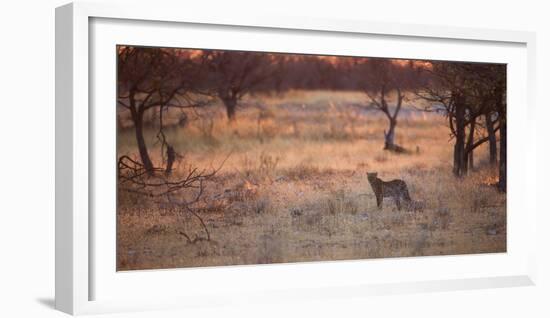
[{"x": 267, "y": 159}]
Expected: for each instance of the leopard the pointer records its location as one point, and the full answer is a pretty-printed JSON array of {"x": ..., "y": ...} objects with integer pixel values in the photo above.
[{"x": 396, "y": 189}]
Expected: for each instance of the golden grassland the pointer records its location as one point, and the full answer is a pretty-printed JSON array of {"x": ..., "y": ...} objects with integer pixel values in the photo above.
[{"x": 294, "y": 188}]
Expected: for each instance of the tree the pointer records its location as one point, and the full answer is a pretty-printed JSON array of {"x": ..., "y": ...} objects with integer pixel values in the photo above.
[
  {"x": 381, "y": 77},
  {"x": 466, "y": 93},
  {"x": 491, "y": 134},
  {"x": 154, "y": 78},
  {"x": 500, "y": 106},
  {"x": 233, "y": 74}
]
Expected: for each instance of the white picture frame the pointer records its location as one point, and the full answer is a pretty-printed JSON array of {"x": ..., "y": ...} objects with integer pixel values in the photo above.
[{"x": 80, "y": 262}]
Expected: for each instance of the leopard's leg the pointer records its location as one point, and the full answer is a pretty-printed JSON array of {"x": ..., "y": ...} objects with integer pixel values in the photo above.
[
  {"x": 398, "y": 203},
  {"x": 379, "y": 201}
]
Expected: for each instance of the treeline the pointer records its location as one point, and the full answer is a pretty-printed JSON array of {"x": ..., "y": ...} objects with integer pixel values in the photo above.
[
  {"x": 229, "y": 75},
  {"x": 472, "y": 96}
]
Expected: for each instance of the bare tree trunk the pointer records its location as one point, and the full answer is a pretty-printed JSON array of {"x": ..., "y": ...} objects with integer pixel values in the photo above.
[
  {"x": 502, "y": 163},
  {"x": 170, "y": 158},
  {"x": 137, "y": 118},
  {"x": 492, "y": 140},
  {"x": 459, "y": 162},
  {"x": 460, "y": 166},
  {"x": 469, "y": 153},
  {"x": 230, "y": 104},
  {"x": 389, "y": 136}
]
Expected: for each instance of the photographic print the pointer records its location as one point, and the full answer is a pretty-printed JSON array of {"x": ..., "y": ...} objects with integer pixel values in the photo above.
[{"x": 238, "y": 157}]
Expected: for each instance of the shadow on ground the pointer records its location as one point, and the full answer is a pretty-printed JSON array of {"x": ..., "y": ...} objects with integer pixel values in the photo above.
[{"x": 47, "y": 302}]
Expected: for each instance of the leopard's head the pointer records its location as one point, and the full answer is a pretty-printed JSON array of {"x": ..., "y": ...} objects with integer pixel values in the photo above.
[{"x": 372, "y": 175}]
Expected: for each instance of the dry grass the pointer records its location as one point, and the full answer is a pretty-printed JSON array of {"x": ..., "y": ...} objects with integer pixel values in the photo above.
[{"x": 295, "y": 189}]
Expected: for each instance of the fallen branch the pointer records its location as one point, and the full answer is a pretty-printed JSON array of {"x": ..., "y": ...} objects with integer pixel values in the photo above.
[{"x": 134, "y": 178}]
